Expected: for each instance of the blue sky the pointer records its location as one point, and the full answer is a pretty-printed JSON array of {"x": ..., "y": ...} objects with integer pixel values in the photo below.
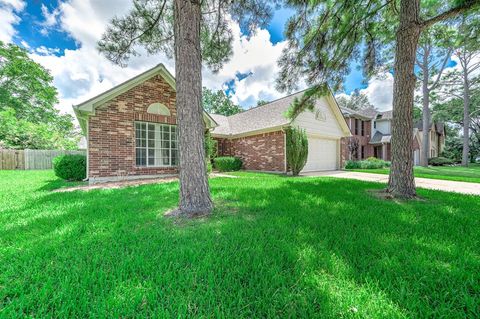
[
  {"x": 62, "y": 36},
  {"x": 31, "y": 30},
  {"x": 32, "y": 25}
]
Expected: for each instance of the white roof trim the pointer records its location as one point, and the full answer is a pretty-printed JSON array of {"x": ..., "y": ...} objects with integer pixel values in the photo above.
[
  {"x": 338, "y": 113},
  {"x": 90, "y": 105},
  {"x": 83, "y": 110}
]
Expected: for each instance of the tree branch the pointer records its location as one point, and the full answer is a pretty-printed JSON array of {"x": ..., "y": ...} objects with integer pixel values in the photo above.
[
  {"x": 453, "y": 12},
  {"x": 442, "y": 68}
]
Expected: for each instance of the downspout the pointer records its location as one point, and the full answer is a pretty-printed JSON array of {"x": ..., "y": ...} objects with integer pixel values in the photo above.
[
  {"x": 284, "y": 151},
  {"x": 88, "y": 150}
]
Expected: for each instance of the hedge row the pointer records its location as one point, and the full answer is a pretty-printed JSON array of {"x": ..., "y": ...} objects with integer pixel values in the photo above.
[{"x": 369, "y": 163}]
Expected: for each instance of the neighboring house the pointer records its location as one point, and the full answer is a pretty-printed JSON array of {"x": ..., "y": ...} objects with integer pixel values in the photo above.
[
  {"x": 437, "y": 137},
  {"x": 372, "y": 130},
  {"x": 131, "y": 131}
]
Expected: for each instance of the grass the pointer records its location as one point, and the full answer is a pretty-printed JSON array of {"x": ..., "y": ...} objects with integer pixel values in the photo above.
[
  {"x": 451, "y": 173},
  {"x": 275, "y": 247}
]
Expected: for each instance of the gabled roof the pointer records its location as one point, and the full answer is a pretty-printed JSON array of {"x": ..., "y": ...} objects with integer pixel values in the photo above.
[
  {"x": 267, "y": 116},
  {"x": 378, "y": 138},
  {"x": 83, "y": 110},
  {"x": 386, "y": 115},
  {"x": 369, "y": 113},
  {"x": 439, "y": 126}
]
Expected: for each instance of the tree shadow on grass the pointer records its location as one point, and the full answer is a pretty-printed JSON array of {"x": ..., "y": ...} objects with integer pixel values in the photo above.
[{"x": 275, "y": 247}]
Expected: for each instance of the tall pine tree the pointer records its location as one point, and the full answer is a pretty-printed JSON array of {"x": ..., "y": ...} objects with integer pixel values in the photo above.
[
  {"x": 194, "y": 32},
  {"x": 325, "y": 36}
]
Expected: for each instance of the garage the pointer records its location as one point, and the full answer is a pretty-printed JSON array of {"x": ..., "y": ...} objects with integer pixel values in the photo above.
[{"x": 322, "y": 154}]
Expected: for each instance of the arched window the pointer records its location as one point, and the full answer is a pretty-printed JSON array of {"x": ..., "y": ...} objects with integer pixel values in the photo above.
[{"x": 159, "y": 109}]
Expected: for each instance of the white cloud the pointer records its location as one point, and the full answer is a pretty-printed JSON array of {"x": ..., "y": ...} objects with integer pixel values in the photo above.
[
  {"x": 82, "y": 73},
  {"x": 50, "y": 18},
  {"x": 380, "y": 91},
  {"x": 43, "y": 50},
  {"x": 256, "y": 56},
  {"x": 9, "y": 10}
]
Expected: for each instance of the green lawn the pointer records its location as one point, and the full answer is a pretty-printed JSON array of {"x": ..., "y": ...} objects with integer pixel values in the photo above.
[
  {"x": 274, "y": 247},
  {"x": 451, "y": 173}
]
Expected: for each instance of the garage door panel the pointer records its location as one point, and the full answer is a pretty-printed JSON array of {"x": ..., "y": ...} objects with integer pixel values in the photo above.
[{"x": 322, "y": 155}]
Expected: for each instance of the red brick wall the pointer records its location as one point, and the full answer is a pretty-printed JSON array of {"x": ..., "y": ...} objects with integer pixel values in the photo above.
[
  {"x": 262, "y": 152},
  {"x": 111, "y": 131},
  {"x": 362, "y": 141}
]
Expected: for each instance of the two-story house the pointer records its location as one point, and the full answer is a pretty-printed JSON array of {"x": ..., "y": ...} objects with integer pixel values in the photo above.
[{"x": 371, "y": 136}]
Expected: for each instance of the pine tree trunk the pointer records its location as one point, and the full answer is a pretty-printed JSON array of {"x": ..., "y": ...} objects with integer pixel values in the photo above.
[
  {"x": 425, "y": 114},
  {"x": 194, "y": 190},
  {"x": 466, "y": 119},
  {"x": 401, "y": 182}
]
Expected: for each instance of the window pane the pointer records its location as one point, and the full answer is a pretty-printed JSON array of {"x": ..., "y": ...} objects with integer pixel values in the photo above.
[
  {"x": 166, "y": 135},
  {"x": 141, "y": 157},
  {"x": 174, "y": 157}
]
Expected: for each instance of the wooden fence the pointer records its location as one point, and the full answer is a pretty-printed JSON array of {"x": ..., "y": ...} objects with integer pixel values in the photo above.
[{"x": 30, "y": 159}]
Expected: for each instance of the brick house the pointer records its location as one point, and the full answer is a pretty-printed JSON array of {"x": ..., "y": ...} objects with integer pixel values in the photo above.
[
  {"x": 131, "y": 131},
  {"x": 372, "y": 130}
]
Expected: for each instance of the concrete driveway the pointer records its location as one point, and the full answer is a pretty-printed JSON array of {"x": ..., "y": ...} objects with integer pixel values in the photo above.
[{"x": 436, "y": 184}]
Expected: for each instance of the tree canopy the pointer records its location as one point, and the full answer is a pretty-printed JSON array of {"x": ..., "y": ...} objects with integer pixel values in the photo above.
[
  {"x": 355, "y": 101},
  {"x": 150, "y": 25},
  {"x": 28, "y": 117},
  {"x": 324, "y": 37},
  {"x": 217, "y": 102}
]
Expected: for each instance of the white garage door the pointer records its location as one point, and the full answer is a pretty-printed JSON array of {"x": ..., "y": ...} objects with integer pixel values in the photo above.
[{"x": 322, "y": 155}]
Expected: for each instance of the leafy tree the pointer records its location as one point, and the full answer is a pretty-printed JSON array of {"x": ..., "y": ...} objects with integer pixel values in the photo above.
[
  {"x": 433, "y": 53},
  {"x": 218, "y": 103},
  {"x": 297, "y": 149},
  {"x": 193, "y": 32},
  {"x": 28, "y": 118},
  {"x": 325, "y": 36},
  {"x": 450, "y": 110},
  {"x": 22, "y": 134},
  {"x": 355, "y": 101},
  {"x": 262, "y": 102},
  {"x": 468, "y": 53},
  {"x": 25, "y": 86}
]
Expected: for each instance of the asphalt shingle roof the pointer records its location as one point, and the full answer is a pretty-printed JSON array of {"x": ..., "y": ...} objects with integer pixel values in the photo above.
[
  {"x": 439, "y": 126},
  {"x": 256, "y": 118},
  {"x": 369, "y": 113}
]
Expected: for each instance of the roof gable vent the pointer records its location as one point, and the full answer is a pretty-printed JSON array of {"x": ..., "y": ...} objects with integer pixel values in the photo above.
[{"x": 159, "y": 109}]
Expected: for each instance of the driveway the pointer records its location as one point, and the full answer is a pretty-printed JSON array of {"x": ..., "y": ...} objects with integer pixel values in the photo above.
[{"x": 436, "y": 184}]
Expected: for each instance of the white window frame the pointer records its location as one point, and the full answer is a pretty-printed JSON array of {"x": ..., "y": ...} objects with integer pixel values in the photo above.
[{"x": 156, "y": 142}]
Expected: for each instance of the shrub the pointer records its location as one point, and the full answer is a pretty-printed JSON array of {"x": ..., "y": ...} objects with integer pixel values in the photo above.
[
  {"x": 373, "y": 162},
  {"x": 369, "y": 163},
  {"x": 209, "y": 167},
  {"x": 440, "y": 161},
  {"x": 227, "y": 163},
  {"x": 70, "y": 167},
  {"x": 297, "y": 149},
  {"x": 352, "y": 165}
]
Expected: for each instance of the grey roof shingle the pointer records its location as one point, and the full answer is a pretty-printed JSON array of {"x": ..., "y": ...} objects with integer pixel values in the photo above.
[
  {"x": 256, "y": 118},
  {"x": 368, "y": 113},
  {"x": 380, "y": 138},
  {"x": 439, "y": 126},
  {"x": 387, "y": 115}
]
